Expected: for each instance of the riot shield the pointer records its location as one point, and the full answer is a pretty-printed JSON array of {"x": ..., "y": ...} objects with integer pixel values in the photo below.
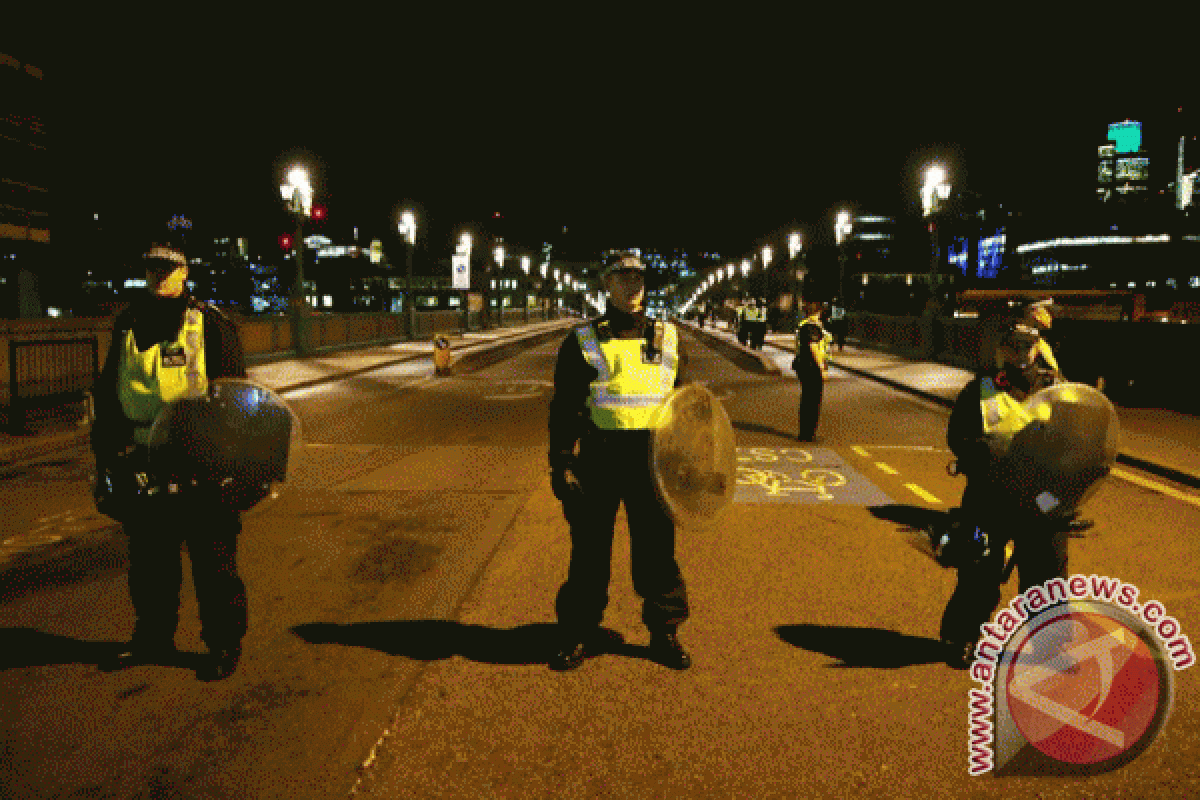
[
  {"x": 237, "y": 444},
  {"x": 693, "y": 455},
  {"x": 1057, "y": 461}
]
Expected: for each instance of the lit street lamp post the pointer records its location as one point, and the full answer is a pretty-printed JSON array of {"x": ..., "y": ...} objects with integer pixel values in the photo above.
[
  {"x": 408, "y": 229},
  {"x": 297, "y": 193},
  {"x": 498, "y": 255},
  {"x": 795, "y": 243},
  {"x": 842, "y": 229},
  {"x": 934, "y": 190},
  {"x": 525, "y": 261},
  {"x": 767, "y": 255}
]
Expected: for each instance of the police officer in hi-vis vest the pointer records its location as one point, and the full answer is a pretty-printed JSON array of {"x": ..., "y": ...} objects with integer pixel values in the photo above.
[
  {"x": 611, "y": 376},
  {"x": 990, "y": 407},
  {"x": 165, "y": 346},
  {"x": 811, "y": 365}
]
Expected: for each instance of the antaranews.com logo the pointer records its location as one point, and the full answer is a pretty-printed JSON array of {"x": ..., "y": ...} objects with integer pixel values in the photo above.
[{"x": 1076, "y": 678}]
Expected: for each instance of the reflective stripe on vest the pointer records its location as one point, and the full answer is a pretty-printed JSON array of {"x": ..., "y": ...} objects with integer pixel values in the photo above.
[
  {"x": 1001, "y": 411},
  {"x": 145, "y": 386},
  {"x": 627, "y": 392}
]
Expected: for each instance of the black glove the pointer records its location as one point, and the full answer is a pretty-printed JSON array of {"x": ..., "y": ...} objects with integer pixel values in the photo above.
[{"x": 566, "y": 487}]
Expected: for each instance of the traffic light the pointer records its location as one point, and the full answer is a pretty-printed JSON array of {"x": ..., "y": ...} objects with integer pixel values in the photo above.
[
  {"x": 318, "y": 213},
  {"x": 285, "y": 241}
]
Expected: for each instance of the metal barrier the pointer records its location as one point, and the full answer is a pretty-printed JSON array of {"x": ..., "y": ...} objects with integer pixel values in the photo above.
[{"x": 48, "y": 371}]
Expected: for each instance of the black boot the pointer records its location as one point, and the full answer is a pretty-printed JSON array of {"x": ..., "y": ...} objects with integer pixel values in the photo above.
[
  {"x": 666, "y": 650},
  {"x": 959, "y": 655},
  {"x": 220, "y": 664}
]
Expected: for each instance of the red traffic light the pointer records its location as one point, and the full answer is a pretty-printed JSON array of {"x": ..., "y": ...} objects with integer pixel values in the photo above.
[
  {"x": 318, "y": 213},
  {"x": 285, "y": 241}
]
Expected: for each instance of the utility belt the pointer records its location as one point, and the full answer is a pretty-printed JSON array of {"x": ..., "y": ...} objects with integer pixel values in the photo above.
[{"x": 127, "y": 486}]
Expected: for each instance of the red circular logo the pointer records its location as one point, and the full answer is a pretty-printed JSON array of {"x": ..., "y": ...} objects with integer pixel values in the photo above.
[{"x": 1085, "y": 687}]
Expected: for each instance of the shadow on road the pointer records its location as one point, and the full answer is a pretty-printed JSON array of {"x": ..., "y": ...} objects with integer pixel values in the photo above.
[
  {"x": 863, "y": 647},
  {"x": 436, "y": 639},
  {"x": 755, "y": 428},
  {"x": 26, "y": 647},
  {"x": 914, "y": 517}
]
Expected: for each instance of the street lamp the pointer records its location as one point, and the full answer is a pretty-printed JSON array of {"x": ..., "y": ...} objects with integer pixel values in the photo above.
[
  {"x": 525, "y": 265},
  {"x": 935, "y": 190},
  {"x": 794, "y": 242},
  {"x": 841, "y": 230},
  {"x": 795, "y": 245},
  {"x": 298, "y": 194},
  {"x": 498, "y": 257},
  {"x": 408, "y": 229}
]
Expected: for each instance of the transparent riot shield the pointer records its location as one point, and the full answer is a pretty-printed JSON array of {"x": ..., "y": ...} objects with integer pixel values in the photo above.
[
  {"x": 1057, "y": 461},
  {"x": 238, "y": 444},
  {"x": 693, "y": 455}
]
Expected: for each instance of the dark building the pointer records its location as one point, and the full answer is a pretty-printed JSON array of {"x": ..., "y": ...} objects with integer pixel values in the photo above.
[{"x": 24, "y": 191}]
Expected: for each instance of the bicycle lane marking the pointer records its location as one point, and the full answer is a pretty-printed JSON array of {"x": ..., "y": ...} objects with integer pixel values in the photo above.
[
  {"x": 883, "y": 466},
  {"x": 801, "y": 475}
]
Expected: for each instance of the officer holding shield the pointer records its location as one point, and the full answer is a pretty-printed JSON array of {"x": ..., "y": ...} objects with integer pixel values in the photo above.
[
  {"x": 166, "y": 346},
  {"x": 610, "y": 379},
  {"x": 987, "y": 413}
]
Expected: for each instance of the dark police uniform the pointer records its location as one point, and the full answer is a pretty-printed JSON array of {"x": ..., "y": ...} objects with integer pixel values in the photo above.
[
  {"x": 812, "y": 382},
  {"x": 609, "y": 415},
  {"x": 984, "y": 408},
  {"x": 161, "y": 348}
]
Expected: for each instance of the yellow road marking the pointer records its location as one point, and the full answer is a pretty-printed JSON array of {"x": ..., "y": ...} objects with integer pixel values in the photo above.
[
  {"x": 921, "y": 493},
  {"x": 862, "y": 451},
  {"x": 1157, "y": 487},
  {"x": 886, "y": 468}
]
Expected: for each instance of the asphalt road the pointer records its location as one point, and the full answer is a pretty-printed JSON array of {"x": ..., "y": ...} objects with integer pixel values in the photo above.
[{"x": 401, "y": 602}]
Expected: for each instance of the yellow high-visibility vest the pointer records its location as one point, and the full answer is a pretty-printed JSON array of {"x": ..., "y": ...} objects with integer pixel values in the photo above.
[
  {"x": 145, "y": 385},
  {"x": 628, "y": 390},
  {"x": 1002, "y": 413},
  {"x": 826, "y": 336}
]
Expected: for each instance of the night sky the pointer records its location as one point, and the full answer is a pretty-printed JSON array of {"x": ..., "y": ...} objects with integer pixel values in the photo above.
[{"x": 700, "y": 135}]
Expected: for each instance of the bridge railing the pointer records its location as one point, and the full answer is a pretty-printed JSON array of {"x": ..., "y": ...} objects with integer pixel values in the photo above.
[{"x": 48, "y": 360}]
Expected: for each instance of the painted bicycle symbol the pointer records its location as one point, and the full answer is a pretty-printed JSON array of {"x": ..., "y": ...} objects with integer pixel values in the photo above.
[{"x": 818, "y": 481}]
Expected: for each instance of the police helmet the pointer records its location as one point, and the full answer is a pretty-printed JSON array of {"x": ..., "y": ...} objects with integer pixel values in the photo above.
[
  {"x": 163, "y": 258},
  {"x": 626, "y": 262}
]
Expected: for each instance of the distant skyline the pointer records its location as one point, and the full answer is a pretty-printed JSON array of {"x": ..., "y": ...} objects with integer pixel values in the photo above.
[{"x": 690, "y": 149}]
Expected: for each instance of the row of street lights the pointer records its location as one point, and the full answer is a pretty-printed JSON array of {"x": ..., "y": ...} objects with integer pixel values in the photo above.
[
  {"x": 934, "y": 190},
  {"x": 297, "y": 194}
]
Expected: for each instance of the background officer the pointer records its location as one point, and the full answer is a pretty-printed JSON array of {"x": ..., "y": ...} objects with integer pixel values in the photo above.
[
  {"x": 167, "y": 345},
  {"x": 611, "y": 376},
  {"x": 758, "y": 332},
  {"x": 838, "y": 323},
  {"x": 812, "y": 368},
  {"x": 1039, "y": 318},
  {"x": 989, "y": 407}
]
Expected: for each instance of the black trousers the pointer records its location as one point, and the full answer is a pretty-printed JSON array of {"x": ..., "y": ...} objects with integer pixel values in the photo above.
[
  {"x": 812, "y": 387},
  {"x": 156, "y": 574},
  {"x": 757, "y": 335},
  {"x": 615, "y": 469},
  {"x": 1039, "y": 547}
]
